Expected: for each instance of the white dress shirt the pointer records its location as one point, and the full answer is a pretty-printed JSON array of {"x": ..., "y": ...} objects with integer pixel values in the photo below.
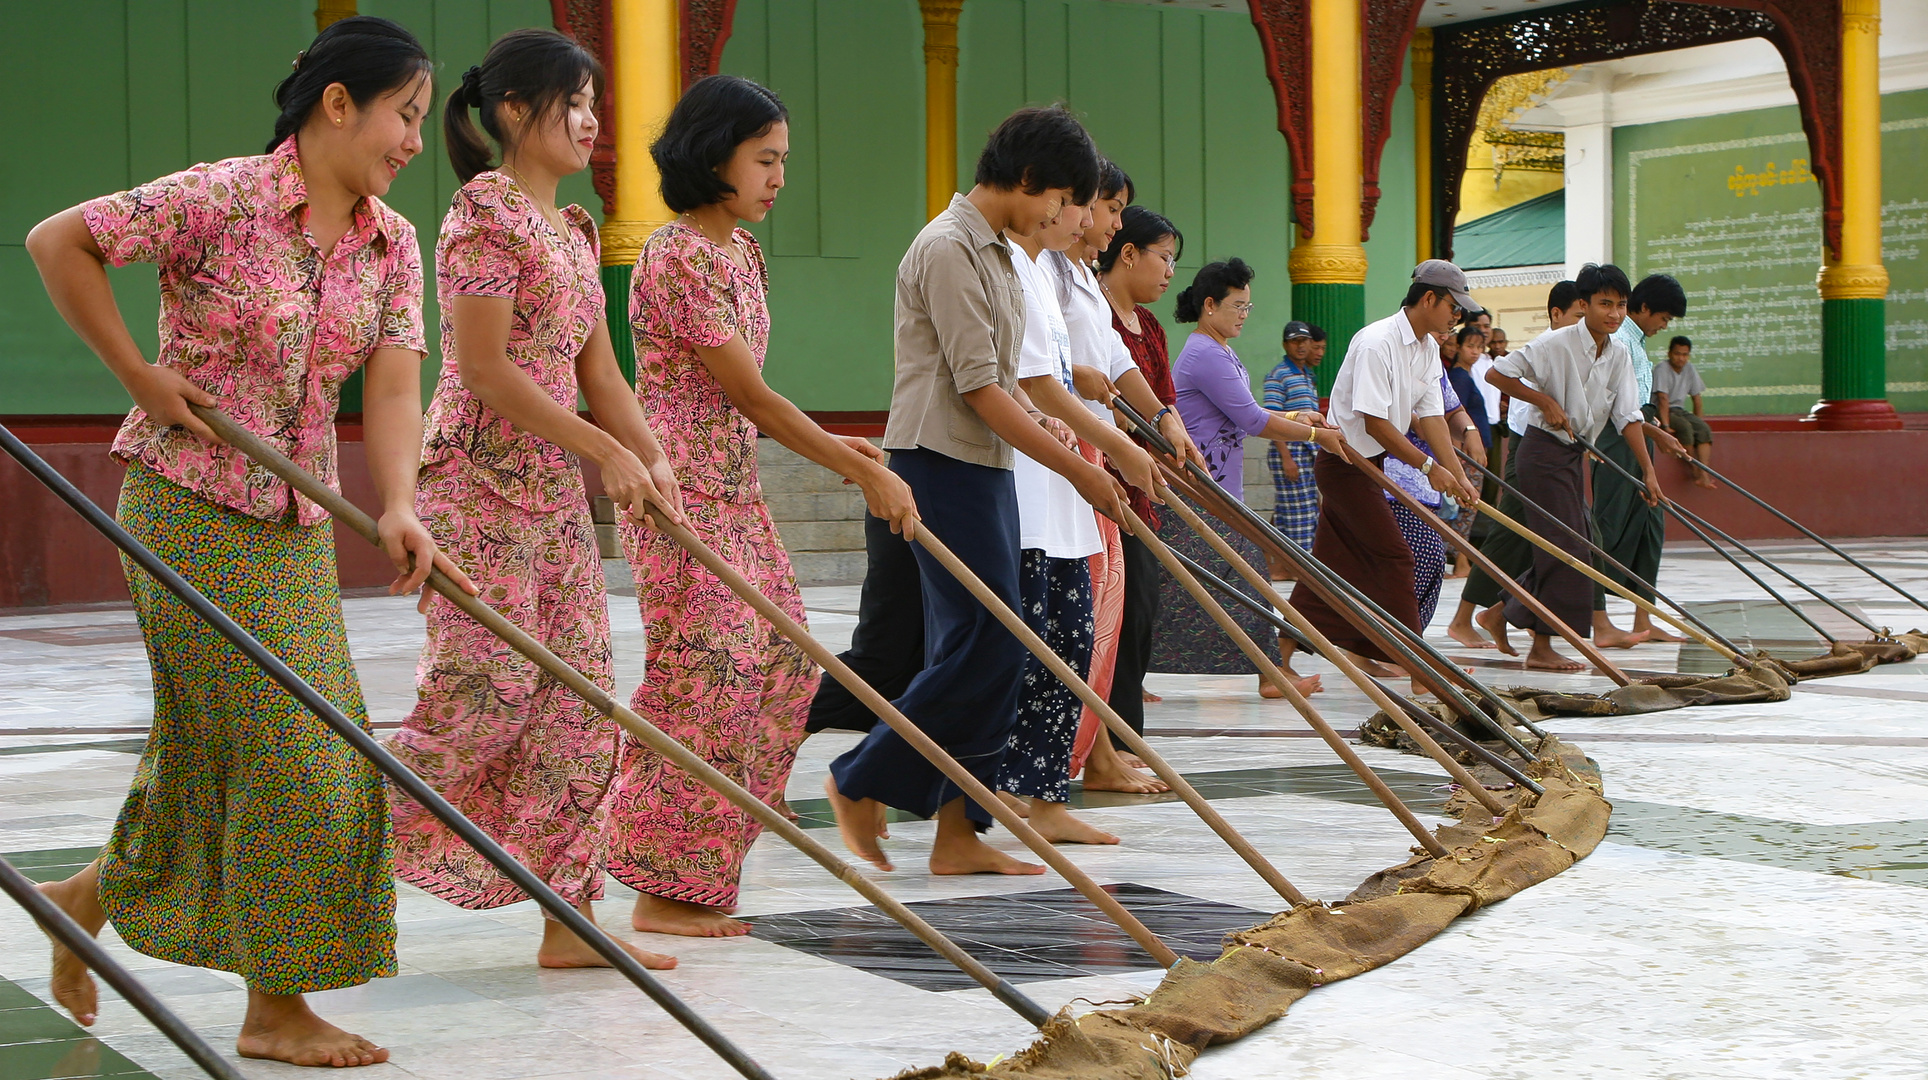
[
  {"x": 1592, "y": 384},
  {"x": 1087, "y": 315},
  {"x": 1052, "y": 516},
  {"x": 1389, "y": 372}
]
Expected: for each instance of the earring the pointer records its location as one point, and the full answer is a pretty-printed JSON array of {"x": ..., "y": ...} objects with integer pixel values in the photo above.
[{"x": 337, "y": 121}]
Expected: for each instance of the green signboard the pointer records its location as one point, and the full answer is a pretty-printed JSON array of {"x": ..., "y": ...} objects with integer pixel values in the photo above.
[{"x": 1730, "y": 205}]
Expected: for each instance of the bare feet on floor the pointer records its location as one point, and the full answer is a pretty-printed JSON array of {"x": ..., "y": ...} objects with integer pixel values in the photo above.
[
  {"x": 958, "y": 849},
  {"x": 1493, "y": 621},
  {"x": 561, "y": 948},
  {"x": 1612, "y": 637},
  {"x": 1307, "y": 685},
  {"x": 72, "y": 986},
  {"x": 1378, "y": 669},
  {"x": 782, "y": 806},
  {"x": 1542, "y": 657},
  {"x": 1150, "y": 698},
  {"x": 1132, "y": 760},
  {"x": 1656, "y": 635},
  {"x": 1701, "y": 479},
  {"x": 1056, "y": 823},
  {"x": 281, "y": 1027},
  {"x": 661, "y": 915},
  {"x": 1462, "y": 631},
  {"x": 1020, "y": 807},
  {"x": 860, "y": 822},
  {"x": 1105, "y": 770}
]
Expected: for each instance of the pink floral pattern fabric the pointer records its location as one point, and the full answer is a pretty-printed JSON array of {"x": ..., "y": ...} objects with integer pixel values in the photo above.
[
  {"x": 721, "y": 681},
  {"x": 252, "y": 313},
  {"x": 686, "y": 291},
  {"x": 496, "y": 243},
  {"x": 521, "y": 755}
]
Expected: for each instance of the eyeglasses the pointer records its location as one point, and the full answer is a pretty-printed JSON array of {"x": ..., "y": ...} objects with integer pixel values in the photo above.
[{"x": 1241, "y": 307}]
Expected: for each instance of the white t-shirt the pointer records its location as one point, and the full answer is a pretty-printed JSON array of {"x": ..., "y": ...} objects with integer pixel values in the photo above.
[
  {"x": 1389, "y": 372},
  {"x": 1087, "y": 315},
  {"x": 1052, "y": 515}
]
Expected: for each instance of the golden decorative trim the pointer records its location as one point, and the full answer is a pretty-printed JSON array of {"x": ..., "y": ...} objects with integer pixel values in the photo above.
[
  {"x": 1861, "y": 15},
  {"x": 330, "y": 12},
  {"x": 940, "y": 30},
  {"x": 1421, "y": 52},
  {"x": 622, "y": 241},
  {"x": 1841, "y": 281},
  {"x": 1341, "y": 264}
]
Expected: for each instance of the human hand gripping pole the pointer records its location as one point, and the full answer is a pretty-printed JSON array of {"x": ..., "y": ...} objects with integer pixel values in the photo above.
[
  {"x": 640, "y": 729},
  {"x": 351, "y": 732}
]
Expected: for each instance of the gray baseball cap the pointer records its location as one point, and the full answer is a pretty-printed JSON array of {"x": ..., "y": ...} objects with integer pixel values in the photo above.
[
  {"x": 1297, "y": 329},
  {"x": 1449, "y": 277}
]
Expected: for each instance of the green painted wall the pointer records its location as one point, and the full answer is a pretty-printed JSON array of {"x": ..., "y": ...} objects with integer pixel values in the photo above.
[
  {"x": 1179, "y": 98},
  {"x": 1689, "y": 199},
  {"x": 168, "y": 83}
]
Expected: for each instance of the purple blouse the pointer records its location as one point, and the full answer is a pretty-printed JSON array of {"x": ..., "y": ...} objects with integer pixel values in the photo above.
[{"x": 1215, "y": 402}]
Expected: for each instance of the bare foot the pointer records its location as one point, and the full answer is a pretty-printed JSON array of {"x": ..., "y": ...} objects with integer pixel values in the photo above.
[
  {"x": 1542, "y": 657},
  {"x": 281, "y": 1027},
  {"x": 1105, "y": 771},
  {"x": 1463, "y": 632},
  {"x": 1378, "y": 669},
  {"x": 561, "y": 948},
  {"x": 1020, "y": 807},
  {"x": 782, "y": 806},
  {"x": 977, "y": 857},
  {"x": 1656, "y": 634},
  {"x": 859, "y": 824},
  {"x": 1701, "y": 479},
  {"x": 1493, "y": 621},
  {"x": 1131, "y": 760},
  {"x": 1612, "y": 637},
  {"x": 1307, "y": 685},
  {"x": 1055, "y": 822},
  {"x": 661, "y": 915},
  {"x": 1150, "y": 698},
  {"x": 72, "y": 986}
]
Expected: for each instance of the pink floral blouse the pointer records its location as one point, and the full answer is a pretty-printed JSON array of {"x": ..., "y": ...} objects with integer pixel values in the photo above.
[
  {"x": 686, "y": 292},
  {"x": 252, "y": 313},
  {"x": 496, "y": 243}
]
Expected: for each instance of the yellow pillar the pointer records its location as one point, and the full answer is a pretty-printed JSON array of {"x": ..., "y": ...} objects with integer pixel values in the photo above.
[
  {"x": 643, "y": 86},
  {"x": 940, "y": 102},
  {"x": 1854, "y": 285},
  {"x": 1328, "y": 266},
  {"x": 1422, "y": 65},
  {"x": 330, "y": 12}
]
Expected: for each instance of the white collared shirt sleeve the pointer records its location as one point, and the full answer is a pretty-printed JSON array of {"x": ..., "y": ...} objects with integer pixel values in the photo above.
[{"x": 1626, "y": 389}]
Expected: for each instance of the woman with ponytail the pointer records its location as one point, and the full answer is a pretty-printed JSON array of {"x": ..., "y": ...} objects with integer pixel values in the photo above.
[
  {"x": 523, "y": 332},
  {"x": 254, "y": 840},
  {"x": 721, "y": 679}
]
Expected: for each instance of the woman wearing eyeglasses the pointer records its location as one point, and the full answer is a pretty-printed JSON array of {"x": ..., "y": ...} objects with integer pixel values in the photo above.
[{"x": 1215, "y": 402}]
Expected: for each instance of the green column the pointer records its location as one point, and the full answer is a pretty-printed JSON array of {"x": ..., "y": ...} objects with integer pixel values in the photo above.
[
  {"x": 1854, "y": 362},
  {"x": 615, "y": 281},
  {"x": 1338, "y": 308}
]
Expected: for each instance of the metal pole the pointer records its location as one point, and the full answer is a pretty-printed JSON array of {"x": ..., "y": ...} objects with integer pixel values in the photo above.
[
  {"x": 1524, "y": 596},
  {"x": 642, "y": 730},
  {"x": 414, "y": 786},
  {"x": 1811, "y": 534},
  {"x": 1612, "y": 563},
  {"x": 63, "y": 929},
  {"x": 1288, "y": 630},
  {"x": 1697, "y": 523}
]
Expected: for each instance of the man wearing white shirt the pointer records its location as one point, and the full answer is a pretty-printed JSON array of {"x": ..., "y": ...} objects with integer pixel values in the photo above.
[
  {"x": 1582, "y": 381},
  {"x": 1388, "y": 382}
]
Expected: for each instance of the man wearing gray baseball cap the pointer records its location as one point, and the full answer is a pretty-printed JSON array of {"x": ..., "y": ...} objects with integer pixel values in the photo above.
[{"x": 1388, "y": 382}]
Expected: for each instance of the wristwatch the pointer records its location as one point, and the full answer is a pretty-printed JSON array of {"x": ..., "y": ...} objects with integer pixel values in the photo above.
[
  {"x": 1160, "y": 414},
  {"x": 1427, "y": 469}
]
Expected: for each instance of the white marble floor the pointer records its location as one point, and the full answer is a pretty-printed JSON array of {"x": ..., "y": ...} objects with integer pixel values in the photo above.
[{"x": 1758, "y": 909}]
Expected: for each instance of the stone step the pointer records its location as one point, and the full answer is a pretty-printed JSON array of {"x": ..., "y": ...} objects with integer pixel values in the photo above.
[
  {"x": 844, "y": 505},
  {"x": 822, "y": 535},
  {"x": 828, "y": 567}
]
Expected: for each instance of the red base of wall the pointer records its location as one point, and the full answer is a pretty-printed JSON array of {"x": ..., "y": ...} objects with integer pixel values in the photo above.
[{"x": 1839, "y": 483}]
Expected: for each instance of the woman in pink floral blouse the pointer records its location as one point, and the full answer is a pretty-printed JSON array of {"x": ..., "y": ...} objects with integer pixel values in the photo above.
[
  {"x": 720, "y": 678},
  {"x": 522, "y": 331},
  {"x": 254, "y": 840}
]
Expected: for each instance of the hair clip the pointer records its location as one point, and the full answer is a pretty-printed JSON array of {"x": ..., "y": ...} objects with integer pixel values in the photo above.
[{"x": 299, "y": 57}]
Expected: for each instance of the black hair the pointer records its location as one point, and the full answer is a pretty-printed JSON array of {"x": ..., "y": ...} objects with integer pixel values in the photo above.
[
  {"x": 1140, "y": 227},
  {"x": 1318, "y": 332},
  {"x": 1680, "y": 341},
  {"x": 1113, "y": 181},
  {"x": 1562, "y": 296},
  {"x": 710, "y": 120},
  {"x": 537, "y": 67},
  {"x": 368, "y": 56},
  {"x": 1214, "y": 281},
  {"x": 1466, "y": 331},
  {"x": 1659, "y": 293},
  {"x": 1601, "y": 277},
  {"x": 1418, "y": 290},
  {"x": 1035, "y": 150}
]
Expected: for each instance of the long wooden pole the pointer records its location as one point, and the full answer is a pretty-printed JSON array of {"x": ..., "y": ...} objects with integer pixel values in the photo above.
[
  {"x": 643, "y": 731},
  {"x": 1137, "y": 744},
  {"x": 1278, "y": 678},
  {"x": 1471, "y": 550}
]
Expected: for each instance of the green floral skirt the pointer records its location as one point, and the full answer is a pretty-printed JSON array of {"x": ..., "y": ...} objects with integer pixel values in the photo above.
[{"x": 254, "y": 840}]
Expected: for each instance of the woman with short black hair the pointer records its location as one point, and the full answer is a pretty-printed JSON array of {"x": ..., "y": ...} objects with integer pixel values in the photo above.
[
  {"x": 721, "y": 680},
  {"x": 254, "y": 840}
]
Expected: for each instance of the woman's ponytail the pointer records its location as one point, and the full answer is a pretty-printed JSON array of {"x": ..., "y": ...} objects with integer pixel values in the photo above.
[
  {"x": 538, "y": 68},
  {"x": 469, "y": 153}
]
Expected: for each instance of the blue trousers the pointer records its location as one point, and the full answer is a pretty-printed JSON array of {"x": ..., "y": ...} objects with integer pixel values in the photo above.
[{"x": 966, "y": 697}]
